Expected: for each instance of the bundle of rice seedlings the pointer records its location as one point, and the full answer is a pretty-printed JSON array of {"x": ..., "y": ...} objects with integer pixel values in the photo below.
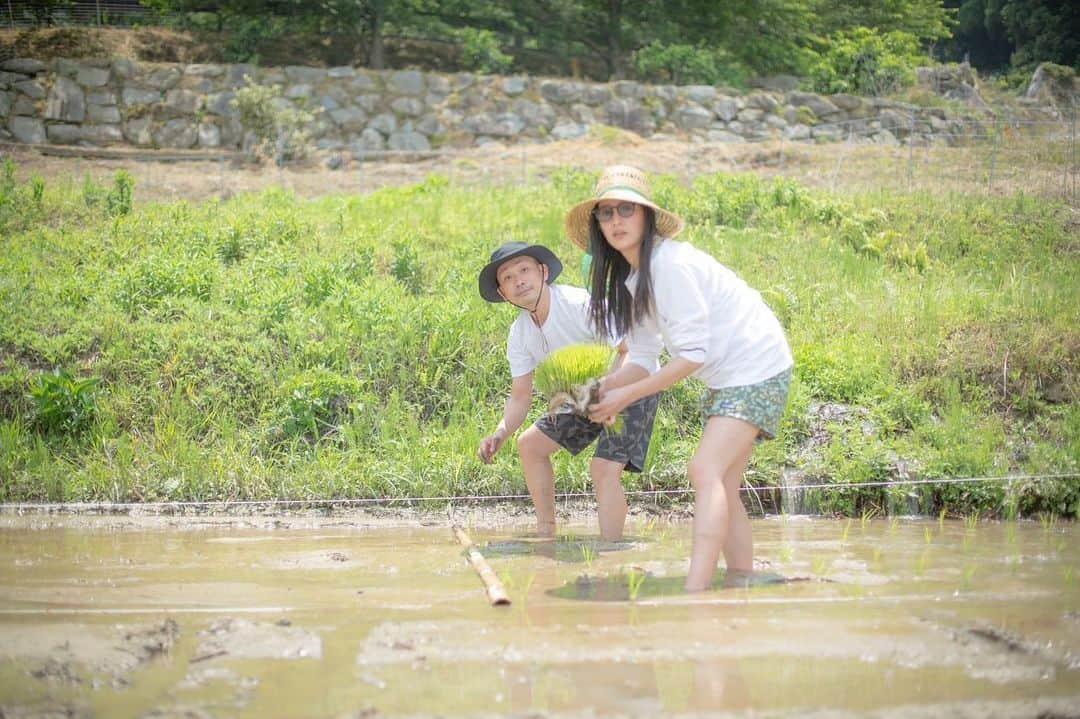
[{"x": 570, "y": 376}]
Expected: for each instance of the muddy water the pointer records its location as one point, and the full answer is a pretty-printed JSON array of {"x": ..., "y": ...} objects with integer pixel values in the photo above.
[{"x": 350, "y": 616}]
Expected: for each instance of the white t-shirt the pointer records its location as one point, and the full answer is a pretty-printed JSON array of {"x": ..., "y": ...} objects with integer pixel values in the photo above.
[
  {"x": 704, "y": 312},
  {"x": 567, "y": 323}
]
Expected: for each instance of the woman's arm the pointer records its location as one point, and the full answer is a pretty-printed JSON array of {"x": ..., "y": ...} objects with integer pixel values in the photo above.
[{"x": 616, "y": 398}]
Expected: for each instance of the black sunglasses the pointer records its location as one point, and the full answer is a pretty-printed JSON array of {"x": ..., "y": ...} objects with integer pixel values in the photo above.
[{"x": 604, "y": 214}]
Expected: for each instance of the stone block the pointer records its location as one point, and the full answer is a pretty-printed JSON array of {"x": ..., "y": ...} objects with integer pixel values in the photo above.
[
  {"x": 102, "y": 114},
  {"x": 89, "y": 76},
  {"x": 24, "y": 65},
  {"x": 31, "y": 89},
  {"x": 67, "y": 102},
  {"x": 27, "y": 129},
  {"x": 411, "y": 141},
  {"x": 406, "y": 82}
]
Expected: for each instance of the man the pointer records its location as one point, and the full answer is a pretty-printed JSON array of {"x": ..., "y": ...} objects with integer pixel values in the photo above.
[{"x": 552, "y": 316}]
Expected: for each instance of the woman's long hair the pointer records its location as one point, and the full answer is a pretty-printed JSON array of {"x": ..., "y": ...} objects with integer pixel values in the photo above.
[{"x": 612, "y": 309}]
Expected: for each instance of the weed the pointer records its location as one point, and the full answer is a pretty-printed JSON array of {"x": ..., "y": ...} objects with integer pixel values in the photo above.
[
  {"x": 119, "y": 198},
  {"x": 64, "y": 404}
]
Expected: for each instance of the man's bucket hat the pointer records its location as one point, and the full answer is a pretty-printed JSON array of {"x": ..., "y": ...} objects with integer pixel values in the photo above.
[{"x": 489, "y": 284}]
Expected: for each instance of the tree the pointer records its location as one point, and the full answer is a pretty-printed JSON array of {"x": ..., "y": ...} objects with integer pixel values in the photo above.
[{"x": 1042, "y": 31}]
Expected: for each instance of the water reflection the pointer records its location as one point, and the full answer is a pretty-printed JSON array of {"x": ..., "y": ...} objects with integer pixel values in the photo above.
[
  {"x": 635, "y": 583},
  {"x": 570, "y": 549}
]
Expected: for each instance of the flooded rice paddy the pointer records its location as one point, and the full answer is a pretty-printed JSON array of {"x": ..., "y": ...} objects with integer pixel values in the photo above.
[{"x": 354, "y": 616}]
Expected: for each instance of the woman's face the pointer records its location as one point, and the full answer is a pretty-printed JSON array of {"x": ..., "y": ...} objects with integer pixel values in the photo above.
[{"x": 623, "y": 226}]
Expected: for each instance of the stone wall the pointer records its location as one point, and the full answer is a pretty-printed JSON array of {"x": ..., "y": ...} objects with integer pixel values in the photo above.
[{"x": 360, "y": 111}]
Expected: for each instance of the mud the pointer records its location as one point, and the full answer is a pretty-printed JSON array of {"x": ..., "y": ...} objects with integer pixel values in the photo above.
[{"x": 363, "y": 615}]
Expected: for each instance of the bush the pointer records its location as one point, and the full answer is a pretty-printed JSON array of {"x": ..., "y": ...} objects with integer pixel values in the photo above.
[
  {"x": 862, "y": 61},
  {"x": 687, "y": 65},
  {"x": 277, "y": 128},
  {"x": 481, "y": 53}
]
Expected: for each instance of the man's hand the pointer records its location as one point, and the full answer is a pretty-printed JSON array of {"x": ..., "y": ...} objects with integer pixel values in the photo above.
[{"x": 490, "y": 445}]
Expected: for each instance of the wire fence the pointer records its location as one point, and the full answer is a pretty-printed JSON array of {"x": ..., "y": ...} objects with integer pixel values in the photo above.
[
  {"x": 99, "y": 13},
  {"x": 248, "y": 505},
  {"x": 998, "y": 156}
]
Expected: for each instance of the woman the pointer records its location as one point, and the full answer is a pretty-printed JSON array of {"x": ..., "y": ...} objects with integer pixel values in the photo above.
[{"x": 661, "y": 293}]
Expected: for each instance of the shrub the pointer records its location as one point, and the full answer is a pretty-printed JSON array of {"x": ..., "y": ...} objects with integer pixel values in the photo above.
[
  {"x": 277, "y": 127},
  {"x": 681, "y": 64},
  {"x": 481, "y": 53},
  {"x": 862, "y": 61}
]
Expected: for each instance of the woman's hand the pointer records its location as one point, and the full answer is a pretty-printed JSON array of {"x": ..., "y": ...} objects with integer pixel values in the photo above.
[{"x": 611, "y": 402}]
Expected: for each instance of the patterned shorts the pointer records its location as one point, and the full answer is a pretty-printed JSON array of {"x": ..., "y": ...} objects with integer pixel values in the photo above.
[
  {"x": 760, "y": 404},
  {"x": 628, "y": 446}
]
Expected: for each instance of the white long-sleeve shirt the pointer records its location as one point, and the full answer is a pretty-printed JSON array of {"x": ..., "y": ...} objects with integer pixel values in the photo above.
[{"x": 704, "y": 312}]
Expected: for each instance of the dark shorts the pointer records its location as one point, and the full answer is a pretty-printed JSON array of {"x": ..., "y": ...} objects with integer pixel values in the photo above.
[{"x": 628, "y": 446}]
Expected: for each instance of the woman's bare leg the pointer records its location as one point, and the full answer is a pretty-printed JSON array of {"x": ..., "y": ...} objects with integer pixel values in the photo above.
[{"x": 720, "y": 521}]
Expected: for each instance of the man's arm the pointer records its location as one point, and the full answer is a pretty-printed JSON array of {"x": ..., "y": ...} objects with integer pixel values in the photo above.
[{"x": 514, "y": 412}]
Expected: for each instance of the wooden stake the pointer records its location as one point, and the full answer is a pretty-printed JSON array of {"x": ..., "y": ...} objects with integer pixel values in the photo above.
[{"x": 494, "y": 587}]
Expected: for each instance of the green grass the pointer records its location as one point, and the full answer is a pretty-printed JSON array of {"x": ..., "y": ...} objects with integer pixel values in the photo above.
[{"x": 275, "y": 347}]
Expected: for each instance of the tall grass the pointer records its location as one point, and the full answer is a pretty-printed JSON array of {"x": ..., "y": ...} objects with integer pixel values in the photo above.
[{"x": 273, "y": 347}]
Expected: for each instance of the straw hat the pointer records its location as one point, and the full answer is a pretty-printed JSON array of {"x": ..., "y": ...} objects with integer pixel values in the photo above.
[
  {"x": 489, "y": 283},
  {"x": 619, "y": 182}
]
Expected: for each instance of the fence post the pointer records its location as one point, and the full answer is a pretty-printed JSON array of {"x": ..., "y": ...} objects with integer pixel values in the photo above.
[
  {"x": 993, "y": 154},
  {"x": 911, "y": 153},
  {"x": 1072, "y": 167}
]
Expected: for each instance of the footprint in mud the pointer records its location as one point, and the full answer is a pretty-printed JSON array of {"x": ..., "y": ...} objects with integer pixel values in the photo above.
[
  {"x": 569, "y": 549},
  {"x": 634, "y": 584}
]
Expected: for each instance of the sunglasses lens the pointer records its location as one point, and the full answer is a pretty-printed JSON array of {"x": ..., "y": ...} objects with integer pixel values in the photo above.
[
  {"x": 604, "y": 214},
  {"x": 626, "y": 209}
]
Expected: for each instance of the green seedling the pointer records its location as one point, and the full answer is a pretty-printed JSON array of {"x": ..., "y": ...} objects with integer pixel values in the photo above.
[
  {"x": 928, "y": 536},
  {"x": 844, "y": 531},
  {"x": 969, "y": 572},
  {"x": 785, "y": 553},
  {"x": 971, "y": 521},
  {"x": 634, "y": 579},
  {"x": 1069, "y": 575},
  {"x": 920, "y": 563},
  {"x": 893, "y": 524},
  {"x": 570, "y": 377},
  {"x": 941, "y": 519},
  {"x": 588, "y": 554},
  {"x": 820, "y": 566}
]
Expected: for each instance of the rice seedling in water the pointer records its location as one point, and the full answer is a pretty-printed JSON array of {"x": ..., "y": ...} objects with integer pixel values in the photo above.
[
  {"x": 634, "y": 579},
  {"x": 845, "y": 530},
  {"x": 570, "y": 376}
]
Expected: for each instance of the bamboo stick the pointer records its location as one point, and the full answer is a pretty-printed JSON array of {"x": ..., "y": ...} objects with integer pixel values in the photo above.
[{"x": 494, "y": 587}]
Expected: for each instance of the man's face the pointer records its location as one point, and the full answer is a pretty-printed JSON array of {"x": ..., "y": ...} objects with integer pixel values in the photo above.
[{"x": 521, "y": 280}]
